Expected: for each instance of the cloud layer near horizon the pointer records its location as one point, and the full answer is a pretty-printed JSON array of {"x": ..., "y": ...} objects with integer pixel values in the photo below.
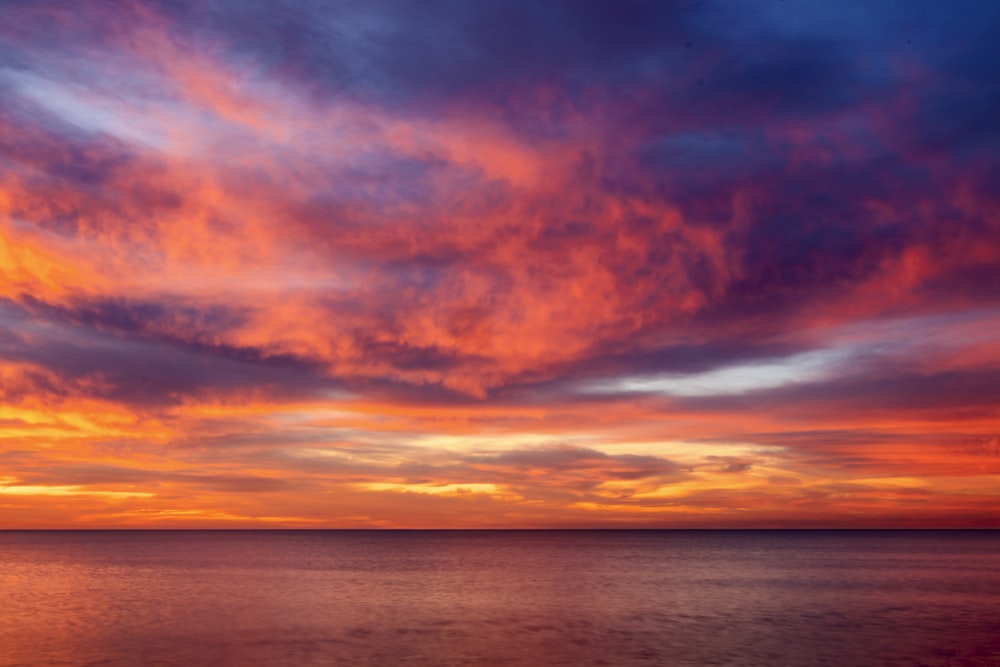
[{"x": 499, "y": 264}]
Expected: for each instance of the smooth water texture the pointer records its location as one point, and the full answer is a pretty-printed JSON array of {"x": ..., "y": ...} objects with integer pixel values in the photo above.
[{"x": 743, "y": 598}]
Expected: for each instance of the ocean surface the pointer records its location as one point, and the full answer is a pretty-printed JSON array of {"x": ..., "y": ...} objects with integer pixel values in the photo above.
[{"x": 746, "y": 598}]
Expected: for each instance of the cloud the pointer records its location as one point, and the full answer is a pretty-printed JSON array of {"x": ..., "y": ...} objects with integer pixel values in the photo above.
[{"x": 665, "y": 252}]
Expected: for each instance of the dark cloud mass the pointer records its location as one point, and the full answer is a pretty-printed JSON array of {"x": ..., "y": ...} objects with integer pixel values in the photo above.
[{"x": 591, "y": 263}]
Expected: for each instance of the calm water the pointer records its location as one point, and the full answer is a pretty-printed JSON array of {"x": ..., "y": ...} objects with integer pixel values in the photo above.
[{"x": 500, "y": 598}]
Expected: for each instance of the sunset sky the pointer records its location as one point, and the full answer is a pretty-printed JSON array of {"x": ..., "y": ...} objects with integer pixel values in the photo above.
[{"x": 499, "y": 264}]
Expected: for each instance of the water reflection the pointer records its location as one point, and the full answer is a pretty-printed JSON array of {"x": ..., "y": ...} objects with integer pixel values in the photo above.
[{"x": 500, "y": 598}]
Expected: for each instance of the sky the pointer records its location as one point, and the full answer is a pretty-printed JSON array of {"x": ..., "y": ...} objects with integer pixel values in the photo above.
[{"x": 397, "y": 264}]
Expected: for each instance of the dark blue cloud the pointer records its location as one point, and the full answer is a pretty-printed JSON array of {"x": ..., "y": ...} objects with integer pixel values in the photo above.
[{"x": 106, "y": 352}]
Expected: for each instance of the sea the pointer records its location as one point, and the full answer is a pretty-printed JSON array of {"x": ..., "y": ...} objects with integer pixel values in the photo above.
[{"x": 562, "y": 597}]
